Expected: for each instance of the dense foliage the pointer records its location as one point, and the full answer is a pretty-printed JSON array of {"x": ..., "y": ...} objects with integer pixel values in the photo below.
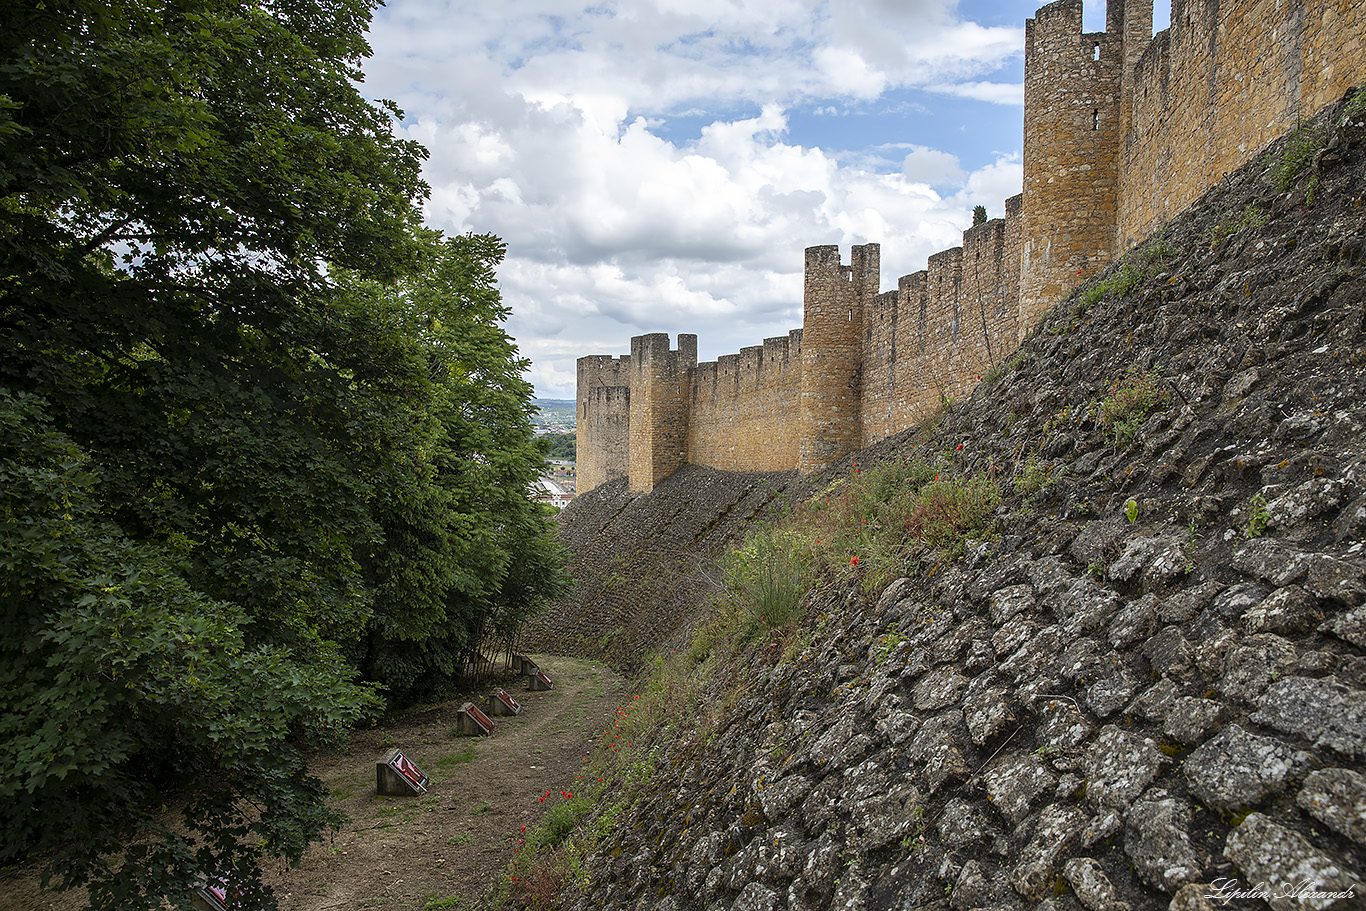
[
  {"x": 262, "y": 441},
  {"x": 559, "y": 445}
]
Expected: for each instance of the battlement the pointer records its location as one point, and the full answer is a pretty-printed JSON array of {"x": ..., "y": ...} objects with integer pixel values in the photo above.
[{"x": 1122, "y": 130}]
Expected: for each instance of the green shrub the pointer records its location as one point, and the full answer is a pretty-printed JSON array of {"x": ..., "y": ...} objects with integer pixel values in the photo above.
[
  {"x": 1032, "y": 477},
  {"x": 1250, "y": 217},
  {"x": 769, "y": 575},
  {"x": 1132, "y": 270},
  {"x": 1259, "y": 519},
  {"x": 561, "y": 819},
  {"x": 1131, "y": 400},
  {"x": 1300, "y": 148},
  {"x": 945, "y": 513}
]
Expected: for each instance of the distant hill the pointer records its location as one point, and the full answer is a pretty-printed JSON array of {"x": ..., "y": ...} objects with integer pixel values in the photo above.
[{"x": 557, "y": 415}]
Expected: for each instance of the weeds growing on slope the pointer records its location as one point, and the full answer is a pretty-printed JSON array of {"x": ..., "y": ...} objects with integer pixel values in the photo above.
[
  {"x": 1298, "y": 151},
  {"x": 1132, "y": 398},
  {"x": 1250, "y": 217},
  {"x": 769, "y": 575},
  {"x": 1132, "y": 270},
  {"x": 860, "y": 530}
]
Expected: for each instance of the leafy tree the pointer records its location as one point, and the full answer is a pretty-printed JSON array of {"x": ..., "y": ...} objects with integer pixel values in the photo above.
[
  {"x": 559, "y": 445},
  {"x": 468, "y": 523},
  {"x": 979, "y": 215},
  {"x": 223, "y": 468},
  {"x": 123, "y": 682}
]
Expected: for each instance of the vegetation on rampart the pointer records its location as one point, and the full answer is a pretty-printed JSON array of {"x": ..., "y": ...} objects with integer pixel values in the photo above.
[{"x": 863, "y": 530}]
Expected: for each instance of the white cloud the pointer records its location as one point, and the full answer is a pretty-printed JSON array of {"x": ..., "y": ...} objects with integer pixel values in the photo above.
[
  {"x": 932, "y": 166},
  {"x": 1011, "y": 93},
  {"x": 549, "y": 125}
]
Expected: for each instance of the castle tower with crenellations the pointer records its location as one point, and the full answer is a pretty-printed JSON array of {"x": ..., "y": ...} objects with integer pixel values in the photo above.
[
  {"x": 1072, "y": 131},
  {"x": 1122, "y": 130},
  {"x": 835, "y": 299},
  {"x": 603, "y": 419},
  {"x": 660, "y": 387}
]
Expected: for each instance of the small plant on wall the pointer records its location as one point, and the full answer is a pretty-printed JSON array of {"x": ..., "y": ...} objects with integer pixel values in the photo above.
[{"x": 1132, "y": 398}]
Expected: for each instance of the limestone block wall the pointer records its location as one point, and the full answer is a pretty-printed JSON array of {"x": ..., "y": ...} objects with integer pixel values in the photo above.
[
  {"x": 1219, "y": 84},
  {"x": 743, "y": 408},
  {"x": 1122, "y": 130},
  {"x": 660, "y": 388},
  {"x": 893, "y": 345},
  {"x": 830, "y": 415},
  {"x": 602, "y": 419},
  {"x": 1071, "y": 160}
]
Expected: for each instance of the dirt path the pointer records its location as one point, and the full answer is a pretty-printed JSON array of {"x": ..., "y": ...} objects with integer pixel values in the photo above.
[{"x": 442, "y": 849}]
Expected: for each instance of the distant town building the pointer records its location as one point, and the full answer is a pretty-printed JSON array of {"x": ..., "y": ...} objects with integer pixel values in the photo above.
[{"x": 545, "y": 490}]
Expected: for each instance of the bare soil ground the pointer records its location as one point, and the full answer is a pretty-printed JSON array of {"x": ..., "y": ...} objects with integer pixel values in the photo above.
[{"x": 445, "y": 848}]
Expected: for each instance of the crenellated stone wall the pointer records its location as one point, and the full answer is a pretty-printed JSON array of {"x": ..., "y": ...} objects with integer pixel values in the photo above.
[
  {"x": 1219, "y": 84},
  {"x": 603, "y": 418},
  {"x": 1071, "y": 154},
  {"x": 744, "y": 408},
  {"x": 834, "y": 302},
  {"x": 660, "y": 406},
  {"x": 1122, "y": 130}
]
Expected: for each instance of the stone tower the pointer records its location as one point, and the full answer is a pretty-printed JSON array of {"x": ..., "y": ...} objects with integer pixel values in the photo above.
[
  {"x": 1072, "y": 133},
  {"x": 660, "y": 388},
  {"x": 603, "y": 419},
  {"x": 830, "y": 414}
]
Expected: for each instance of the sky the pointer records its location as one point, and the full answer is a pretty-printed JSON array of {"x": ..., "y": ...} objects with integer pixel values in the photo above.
[{"x": 661, "y": 165}]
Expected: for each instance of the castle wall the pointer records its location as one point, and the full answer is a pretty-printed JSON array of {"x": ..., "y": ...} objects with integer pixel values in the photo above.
[
  {"x": 1071, "y": 161},
  {"x": 830, "y": 414},
  {"x": 1223, "y": 81},
  {"x": 1122, "y": 130},
  {"x": 603, "y": 411},
  {"x": 744, "y": 408},
  {"x": 659, "y": 408}
]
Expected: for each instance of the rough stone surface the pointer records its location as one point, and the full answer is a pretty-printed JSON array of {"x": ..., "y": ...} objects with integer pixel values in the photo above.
[
  {"x": 1119, "y": 766},
  {"x": 1325, "y": 712},
  {"x": 1191, "y": 719},
  {"x": 1016, "y": 781},
  {"x": 1296, "y": 875},
  {"x": 1237, "y": 769},
  {"x": 1055, "y": 829},
  {"x": 1158, "y": 841},
  {"x": 1092, "y": 886},
  {"x": 1337, "y": 797}
]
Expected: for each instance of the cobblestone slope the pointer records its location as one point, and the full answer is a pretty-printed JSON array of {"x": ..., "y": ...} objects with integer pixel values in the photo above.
[
  {"x": 644, "y": 564},
  {"x": 1148, "y": 687}
]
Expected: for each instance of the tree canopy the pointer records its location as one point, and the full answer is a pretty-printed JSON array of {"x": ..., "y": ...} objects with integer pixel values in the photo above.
[
  {"x": 559, "y": 445},
  {"x": 264, "y": 447}
]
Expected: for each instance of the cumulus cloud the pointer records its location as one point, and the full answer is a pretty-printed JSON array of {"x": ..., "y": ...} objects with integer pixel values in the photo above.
[
  {"x": 994, "y": 92},
  {"x": 638, "y": 158},
  {"x": 932, "y": 166}
]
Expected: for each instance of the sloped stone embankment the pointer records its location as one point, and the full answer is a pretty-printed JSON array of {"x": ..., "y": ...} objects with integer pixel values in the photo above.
[
  {"x": 1148, "y": 689},
  {"x": 644, "y": 564}
]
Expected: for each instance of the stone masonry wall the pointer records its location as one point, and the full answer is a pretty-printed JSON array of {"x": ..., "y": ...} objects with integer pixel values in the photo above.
[
  {"x": 1219, "y": 84},
  {"x": 744, "y": 408},
  {"x": 1121, "y": 131},
  {"x": 830, "y": 418},
  {"x": 1071, "y": 161},
  {"x": 659, "y": 408},
  {"x": 603, "y": 419}
]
